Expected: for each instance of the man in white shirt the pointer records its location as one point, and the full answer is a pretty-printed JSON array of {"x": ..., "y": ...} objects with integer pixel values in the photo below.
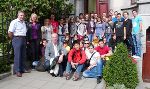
[
  {"x": 92, "y": 70},
  {"x": 17, "y": 32}
]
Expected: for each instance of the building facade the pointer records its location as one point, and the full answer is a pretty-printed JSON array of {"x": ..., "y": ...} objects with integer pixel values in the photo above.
[{"x": 103, "y": 6}]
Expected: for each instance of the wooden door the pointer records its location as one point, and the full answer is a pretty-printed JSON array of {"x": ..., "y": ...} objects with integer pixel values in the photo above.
[
  {"x": 146, "y": 59},
  {"x": 102, "y": 7}
]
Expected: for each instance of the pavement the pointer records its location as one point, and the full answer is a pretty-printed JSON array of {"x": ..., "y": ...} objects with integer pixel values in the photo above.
[{"x": 43, "y": 80}]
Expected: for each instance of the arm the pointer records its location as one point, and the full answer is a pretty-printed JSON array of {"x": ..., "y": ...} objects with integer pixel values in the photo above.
[
  {"x": 70, "y": 56},
  {"x": 124, "y": 33},
  {"x": 83, "y": 59},
  {"x": 11, "y": 29}
]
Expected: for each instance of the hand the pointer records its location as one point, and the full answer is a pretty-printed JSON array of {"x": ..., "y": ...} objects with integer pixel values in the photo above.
[
  {"x": 60, "y": 59},
  {"x": 76, "y": 64},
  {"x": 89, "y": 68},
  {"x": 73, "y": 65},
  {"x": 124, "y": 37},
  {"x": 28, "y": 43}
]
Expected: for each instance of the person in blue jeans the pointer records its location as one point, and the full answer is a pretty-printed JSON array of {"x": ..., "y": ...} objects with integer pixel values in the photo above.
[
  {"x": 136, "y": 33},
  {"x": 76, "y": 60},
  {"x": 95, "y": 65}
]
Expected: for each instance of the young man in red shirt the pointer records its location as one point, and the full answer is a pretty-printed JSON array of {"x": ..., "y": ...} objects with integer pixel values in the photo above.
[
  {"x": 76, "y": 60},
  {"x": 104, "y": 52}
]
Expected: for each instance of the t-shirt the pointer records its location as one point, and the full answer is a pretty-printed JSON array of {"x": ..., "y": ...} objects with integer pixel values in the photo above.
[
  {"x": 128, "y": 24},
  {"x": 114, "y": 19},
  {"x": 136, "y": 24},
  {"x": 94, "y": 58},
  {"x": 118, "y": 25},
  {"x": 102, "y": 50},
  {"x": 54, "y": 25}
]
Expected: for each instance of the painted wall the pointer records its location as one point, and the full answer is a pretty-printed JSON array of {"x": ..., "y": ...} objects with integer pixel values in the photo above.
[
  {"x": 79, "y": 5},
  {"x": 117, "y": 5},
  {"x": 91, "y": 6}
]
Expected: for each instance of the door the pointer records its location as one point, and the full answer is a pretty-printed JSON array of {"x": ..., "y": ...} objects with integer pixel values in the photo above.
[
  {"x": 146, "y": 59},
  {"x": 102, "y": 7}
]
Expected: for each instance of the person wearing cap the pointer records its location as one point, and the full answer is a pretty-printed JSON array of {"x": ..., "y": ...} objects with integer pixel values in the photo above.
[
  {"x": 76, "y": 60},
  {"x": 92, "y": 70}
]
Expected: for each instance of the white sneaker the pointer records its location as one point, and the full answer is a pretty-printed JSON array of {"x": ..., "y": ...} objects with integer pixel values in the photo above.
[{"x": 136, "y": 57}]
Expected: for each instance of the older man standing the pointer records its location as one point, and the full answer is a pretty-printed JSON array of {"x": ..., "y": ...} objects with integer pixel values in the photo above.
[{"x": 17, "y": 32}]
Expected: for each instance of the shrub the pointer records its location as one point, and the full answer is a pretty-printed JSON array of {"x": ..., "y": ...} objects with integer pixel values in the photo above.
[
  {"x": 120, "y": 69},
  {"x": 4, "y": 66}
]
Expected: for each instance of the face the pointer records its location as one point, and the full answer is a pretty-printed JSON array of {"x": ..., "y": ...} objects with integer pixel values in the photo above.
[
  {"x": 67, "y": 38},
  {"x": 134, "y": 13},
  {"x": 54, "y": 38},
  {"x": 71, "y": 19},
  {"x": 95, "y": 15},
  {"x": 125, "y": 15},
  {"x": 46, "y": 22},
  {"x": 98, "y": 19},
  {"x": 91, "y": 49},
  {"x": 114, "y": 37},
  {"x": 86, "y": 44},
  {"x": 115, "y": 13},
  {"x": 86, "y": 16},
  {"x": 101, "y": 44},
  {"x": 21, "y": 16},
  {"x": 34, "y": 18},
  {"x": 52, "y": 17},
  {"x": 119, "y": 17},
  {"x": 104, "y": 15},
  {"x": 77, "y": 46},
  {"x": 61, "y": 21}
]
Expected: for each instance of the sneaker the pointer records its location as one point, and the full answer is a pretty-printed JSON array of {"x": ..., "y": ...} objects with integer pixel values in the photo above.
[
  {"x": 136, "y": 57},
  {"x": 99, "y": 79}
]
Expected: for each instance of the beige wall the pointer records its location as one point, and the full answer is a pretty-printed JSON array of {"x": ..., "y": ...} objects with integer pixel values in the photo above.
[
  {"x": 117, "y": 5},
  {"x": 91, "y": 5}
]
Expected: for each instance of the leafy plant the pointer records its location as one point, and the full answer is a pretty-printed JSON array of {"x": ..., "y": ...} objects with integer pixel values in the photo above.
[
  {"x": 41, "y": 7},
  {"x": 120, "y": 69},
  {"x": 4, "y": 66}
]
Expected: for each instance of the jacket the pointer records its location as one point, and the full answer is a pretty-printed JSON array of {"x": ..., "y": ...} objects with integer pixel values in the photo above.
[{"x": 77, "y": 56}]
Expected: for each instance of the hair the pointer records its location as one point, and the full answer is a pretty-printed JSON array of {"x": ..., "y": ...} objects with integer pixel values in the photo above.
[
  {"x": 119, "y": 14},
  {"x": 101, "y": 40},
  {"x": 126, "y": 12},
  {"x": 33, "y": 14},
  {"x": 20, "y": 11},
  {"x": 76, "y": 42},
  {"x": 134, "y": 10},
  {"x": 91, "y": 45},
  {"x": 44, "y": 40}
]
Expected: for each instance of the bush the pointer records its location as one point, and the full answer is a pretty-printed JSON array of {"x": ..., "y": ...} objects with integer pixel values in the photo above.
[
  {"x": 4, "y": 66},
  {"x": 120, "y": 69}
]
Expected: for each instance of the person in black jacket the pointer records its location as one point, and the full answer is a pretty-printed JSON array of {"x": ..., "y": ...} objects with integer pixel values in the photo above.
[
  {"x": 112, "y": 42},
  {"x": 34, "y": 37},
  {"x": 127, "y": 32}
]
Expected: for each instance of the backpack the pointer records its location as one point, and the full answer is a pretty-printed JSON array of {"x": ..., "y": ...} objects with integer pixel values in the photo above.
[{"x": 40, "y": 67}]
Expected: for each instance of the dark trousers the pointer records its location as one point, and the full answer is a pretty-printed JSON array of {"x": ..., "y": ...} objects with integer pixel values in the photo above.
[
  {"x": 119, "y": 39},
  {"x": 130, "y": 45},
  {"x": 19, "y": 45},
  {"x": 35, "y": 46}
]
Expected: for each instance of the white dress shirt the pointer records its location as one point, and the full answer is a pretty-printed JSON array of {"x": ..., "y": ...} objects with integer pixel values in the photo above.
[{"x": 18, "y": 27}]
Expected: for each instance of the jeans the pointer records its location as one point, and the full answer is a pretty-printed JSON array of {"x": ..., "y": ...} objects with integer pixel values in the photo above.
[
  {"x": 95, "y": 71},
  {"x": 108, "y": 36},
  {"x": 137, "y": 44},
  {"x": 90, "y": 36},
  {"x": 19, "y": 45},
  {"x": 78, "y": 68}
]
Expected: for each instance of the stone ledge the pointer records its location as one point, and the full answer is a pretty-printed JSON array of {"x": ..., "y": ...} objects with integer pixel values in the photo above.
[{"x": 4, "y": 75}]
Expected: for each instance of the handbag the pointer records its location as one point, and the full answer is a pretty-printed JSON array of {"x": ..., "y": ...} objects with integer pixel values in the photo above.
[{"x": 40, "y": 67}]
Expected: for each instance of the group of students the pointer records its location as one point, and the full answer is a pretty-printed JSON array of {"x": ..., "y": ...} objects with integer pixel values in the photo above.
[{"x": 82, "y": 43}]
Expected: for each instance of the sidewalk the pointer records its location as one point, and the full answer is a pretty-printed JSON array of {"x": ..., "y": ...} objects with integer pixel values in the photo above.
[{"x": 43, "y": 80}]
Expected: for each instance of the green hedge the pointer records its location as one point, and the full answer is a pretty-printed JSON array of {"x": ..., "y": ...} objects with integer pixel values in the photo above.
[
  {"x": 120, "y": 69},
  {"x": 4, "y": 66}
]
